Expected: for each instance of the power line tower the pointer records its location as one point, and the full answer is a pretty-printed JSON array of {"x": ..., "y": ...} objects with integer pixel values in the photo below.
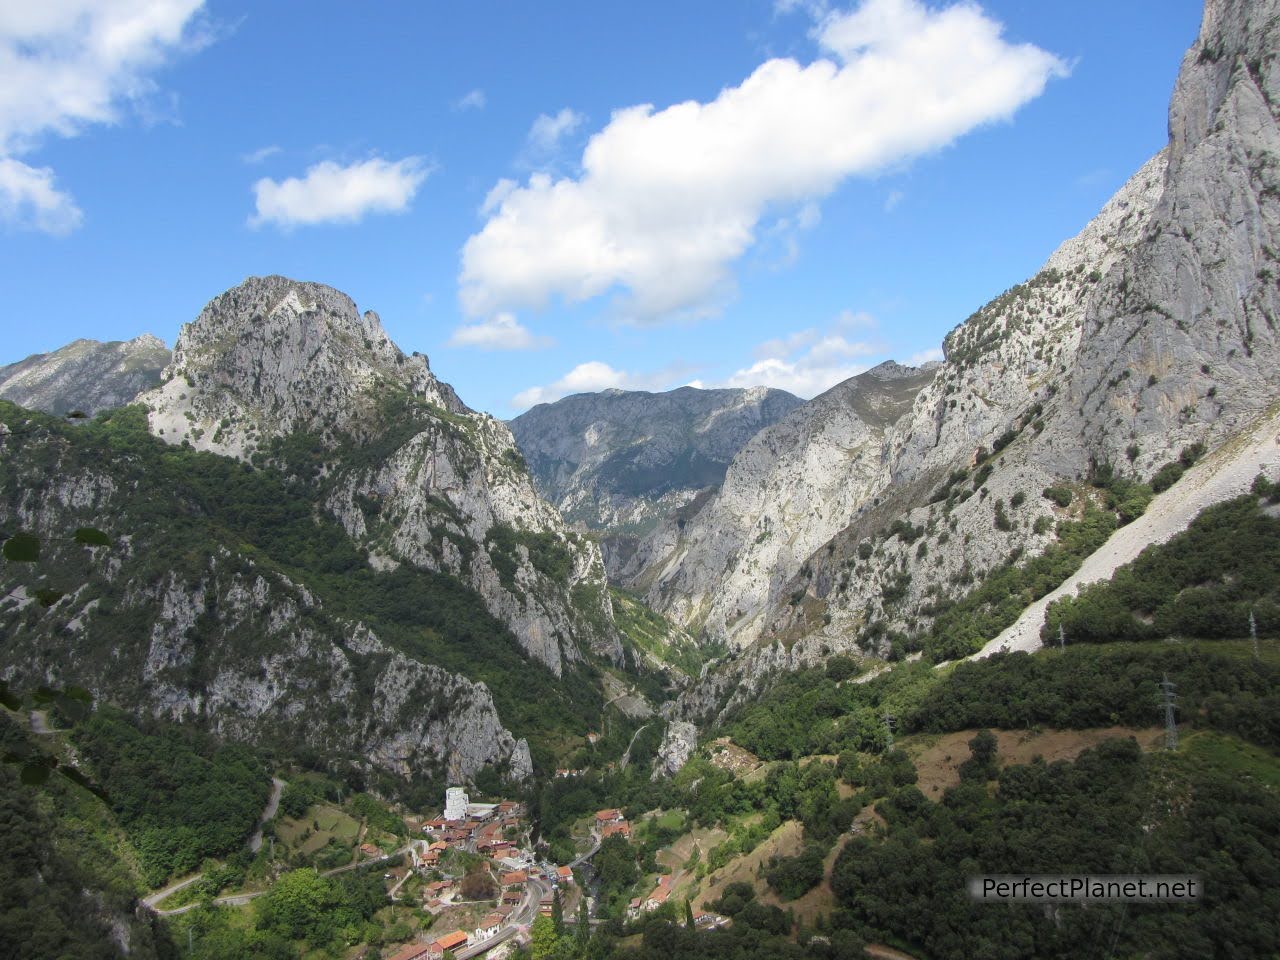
[
  {"x": 1169, "y": 700},
  {"x": 889, "y": 722},
  {"x": 1253, "y": 634},
  {"x": 1062, "y": 638}
]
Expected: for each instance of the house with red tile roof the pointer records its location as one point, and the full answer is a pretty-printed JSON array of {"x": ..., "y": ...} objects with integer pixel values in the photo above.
[
  {"x": 515, "y": 878},
  {"x": 488, "y": 926},
  {"x": 414, "y": 951},
  {"x": 450, "y": 941}
]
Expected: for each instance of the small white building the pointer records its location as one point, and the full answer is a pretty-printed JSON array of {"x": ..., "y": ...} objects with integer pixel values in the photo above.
[{"x": 455, "y": 804}]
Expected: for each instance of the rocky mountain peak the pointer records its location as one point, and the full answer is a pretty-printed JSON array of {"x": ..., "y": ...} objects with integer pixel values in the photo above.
[{"x": 272, "y": 356}]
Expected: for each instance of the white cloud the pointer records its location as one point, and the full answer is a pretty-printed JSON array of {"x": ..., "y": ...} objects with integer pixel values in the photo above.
[
  {"x": 29, "y": 198},
  {"x": 67, "y": 65},
  {"x": 471, "y": 100},
  {"x": 925, "y": 356},
  {"x": 547, "y": 131},
  {"x": 500, "y": 332},
  {"x": 330, "y": 193},
  {"x": 668, "y": 199},
  {"x": 894, "y": 198},
  {"x": 262, "y": 153},
  {"x": 810, "y": 361},
  {"x": 591, "y": 377}
]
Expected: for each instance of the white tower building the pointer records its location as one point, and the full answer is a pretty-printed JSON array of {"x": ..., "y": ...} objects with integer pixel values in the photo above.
[{"x": 455, "y": 804}]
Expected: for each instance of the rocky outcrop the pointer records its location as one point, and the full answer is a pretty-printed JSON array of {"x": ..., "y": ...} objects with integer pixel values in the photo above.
[
  {"x": 679, "y": 741},
  {"x": 176, "y": 627},
  {"x": 623, "y": 460},
  {"x": 85, "y": 375},
  {"x": 792, "y": 487},
  {"x": 281, "y": 371}
]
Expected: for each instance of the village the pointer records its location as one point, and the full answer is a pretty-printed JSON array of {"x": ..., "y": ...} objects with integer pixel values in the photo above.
[{"x": 480, "y": 880}]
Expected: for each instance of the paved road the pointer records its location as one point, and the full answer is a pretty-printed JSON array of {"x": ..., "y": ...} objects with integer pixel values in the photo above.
[
  {"x": 520, "y": 919},
  {"x": 277, "y": 788},
  {"x": 584, "y": 857},
  {"x": 240, "y": 899}
]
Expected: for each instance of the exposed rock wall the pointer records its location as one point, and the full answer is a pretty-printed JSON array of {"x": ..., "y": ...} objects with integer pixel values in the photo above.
[
  {"x": 624, "y": 460},
  {"x": 293, "y": 372},
  {"x": 85, "y": 375}
]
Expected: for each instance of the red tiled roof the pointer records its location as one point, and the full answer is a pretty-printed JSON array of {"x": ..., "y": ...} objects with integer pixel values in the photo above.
[
  {"x": 451, "y": 940},
  {"x": 411, "y": 952}
]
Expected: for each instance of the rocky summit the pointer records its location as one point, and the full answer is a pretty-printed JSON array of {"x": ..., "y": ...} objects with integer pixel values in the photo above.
[{"x": 275, "y": 366}]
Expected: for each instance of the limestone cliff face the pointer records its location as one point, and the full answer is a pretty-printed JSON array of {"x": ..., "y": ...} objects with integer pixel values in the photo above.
[
  {"x": 623, "y": 460},
  {"x": 85, "y": 375},
  {"x": 792, "y": 487},
  {"x": 293, "y": 373},
  {"x": 217, "y": 637},
  {"x": 1152, "y": 330}
]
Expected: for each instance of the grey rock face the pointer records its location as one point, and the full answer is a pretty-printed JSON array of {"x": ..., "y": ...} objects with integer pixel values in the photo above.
[
  {"x": 792, "y": 487},
  {"x": 405, "y": 466},
  {"x": 224, "y": 641},
  {"x": 85, "y": 375},
  {"x": 678, "y": 744},
  {"x": 623, "y": 460}
]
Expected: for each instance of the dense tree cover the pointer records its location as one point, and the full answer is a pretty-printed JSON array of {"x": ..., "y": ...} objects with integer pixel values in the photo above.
[
  {"x": 808, "y": 713},
  {"x": 1113, "y": 811},
  {"x": 180, "y": 795},
  {"x": 1205, "y": 582},
  {"x": 792, "y": 877},
  {"x": 1097, "y": 687},
  {"x": 305, "y": 913},
  {"x": 59, "y": 876}
]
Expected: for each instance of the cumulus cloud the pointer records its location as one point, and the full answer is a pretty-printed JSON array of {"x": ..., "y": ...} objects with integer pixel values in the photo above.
[
  {"x": 66, "y": 66},
  {"x": 591, "y": 377},
  {"x": 471, "y": 100},
  {"x": 547, "y": 130},
  {"x": 331, "y": 193},
  {"x": 500, "y": 332},
  {"x": 810, "y": 361},
  {"x": 667, "y": 200}
]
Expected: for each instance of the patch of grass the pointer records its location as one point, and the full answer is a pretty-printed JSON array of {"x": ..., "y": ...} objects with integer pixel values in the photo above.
[{"x": 1236, "y": 758}]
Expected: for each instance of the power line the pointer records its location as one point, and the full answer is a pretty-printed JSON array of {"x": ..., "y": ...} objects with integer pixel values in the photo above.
[{"x": 1169, "y": 701}]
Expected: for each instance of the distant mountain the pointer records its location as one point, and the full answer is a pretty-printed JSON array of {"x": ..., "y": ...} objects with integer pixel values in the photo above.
[
  {"x": 789, "y": 489},
  {"x": 85, "y": 375},
  {"x": 622, "y": 460}
]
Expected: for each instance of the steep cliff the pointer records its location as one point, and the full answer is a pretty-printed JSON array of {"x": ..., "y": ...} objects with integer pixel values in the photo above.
[
  {"x": 623, "y": 460},
  {"x": 194, "y": 610},
  {"x": 786, "y": 492},
  {"x": 289, "y": 373},
  {"x": 85, "y": 375}
]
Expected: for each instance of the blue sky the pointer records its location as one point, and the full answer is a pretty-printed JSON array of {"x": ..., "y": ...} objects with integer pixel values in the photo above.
[{"x": 841, "y": 184}]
